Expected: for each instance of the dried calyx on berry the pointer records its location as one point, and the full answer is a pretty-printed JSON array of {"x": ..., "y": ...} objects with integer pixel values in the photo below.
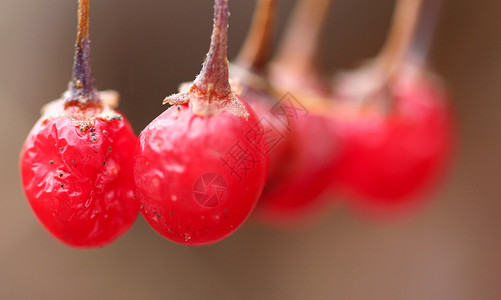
[
  {"x": 212, "y": 92},
  {"x": 82, "y": 102}
]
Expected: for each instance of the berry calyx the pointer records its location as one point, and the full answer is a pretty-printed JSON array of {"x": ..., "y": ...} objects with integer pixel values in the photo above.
[
  {"x": 76, "y": 162},
  {"x": 201, "y": 165}
]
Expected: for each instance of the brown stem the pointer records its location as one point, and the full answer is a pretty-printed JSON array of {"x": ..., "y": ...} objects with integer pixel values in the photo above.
[
  {"x": 255, "y": 51},
  {"x": 300, "y": 46},
  {"x": 399, "y": 41},
  {"x": 213, "y": 79},
  {"x": 211, "y": 92},
  {"x": 82, "y": 89},
  {"x": 295, "y": 68},
  {"x": 424, "y": 33}
]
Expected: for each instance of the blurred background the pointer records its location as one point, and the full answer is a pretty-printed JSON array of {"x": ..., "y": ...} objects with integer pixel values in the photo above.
[{"x": 451, "y": 249}]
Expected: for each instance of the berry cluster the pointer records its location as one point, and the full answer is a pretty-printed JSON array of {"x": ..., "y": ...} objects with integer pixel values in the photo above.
[{"x": 276, "y": 138}]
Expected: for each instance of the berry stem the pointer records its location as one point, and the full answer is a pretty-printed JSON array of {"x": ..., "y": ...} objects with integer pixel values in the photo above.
[
  {"x": 298, "y": 52},
  {"x": 82, "y": 90},
  {"x": 255, "y": 52},
  {"x": 398, "y": 44},
  {"x": 211, "y": 92},
  {"x": 213, "y": 80},
  {"x": 423, "y": 36}
]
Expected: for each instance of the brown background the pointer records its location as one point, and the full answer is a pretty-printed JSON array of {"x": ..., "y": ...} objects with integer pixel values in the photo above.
[{"x": 449, "y": 250}]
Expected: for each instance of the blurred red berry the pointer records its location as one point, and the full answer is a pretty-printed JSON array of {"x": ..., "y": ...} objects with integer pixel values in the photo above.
[{"x": 391, "y": 158}]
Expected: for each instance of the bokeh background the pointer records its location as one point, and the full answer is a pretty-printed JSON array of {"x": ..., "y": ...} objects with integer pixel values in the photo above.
[{"x": 451, "y": 249}]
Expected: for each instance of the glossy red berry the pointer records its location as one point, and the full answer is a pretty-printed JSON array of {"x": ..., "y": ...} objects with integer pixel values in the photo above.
[
  {"x": 76, "y": 164},
  {"x": 198, "y": 177},
  {"x": 201, "y": 165}
]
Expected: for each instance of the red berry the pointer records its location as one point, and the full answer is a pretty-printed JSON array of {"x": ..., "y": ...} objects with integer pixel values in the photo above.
[
  {"x": 201, "y": 165},
  {"x": 279, "y": 135},
  {"x": 390, "y": 159},
  {"x": 278, "y": 118},
  {"x": 76, "y": 164},
  {"x": 296, "y": 195},
  {"x": 250, "y": 69},
  {"x": 302, "y": 159},
  {"x": 198, "y": 177},
  {"x": 79, "y": 182},
  {"x": 398, "y": 129}
]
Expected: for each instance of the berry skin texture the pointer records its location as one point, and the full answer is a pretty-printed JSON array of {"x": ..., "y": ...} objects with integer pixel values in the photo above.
[
  {"x": 390, "y": 160},
  {"x": 79, "y": 182},
  {"x": 178, "y": 151}
]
